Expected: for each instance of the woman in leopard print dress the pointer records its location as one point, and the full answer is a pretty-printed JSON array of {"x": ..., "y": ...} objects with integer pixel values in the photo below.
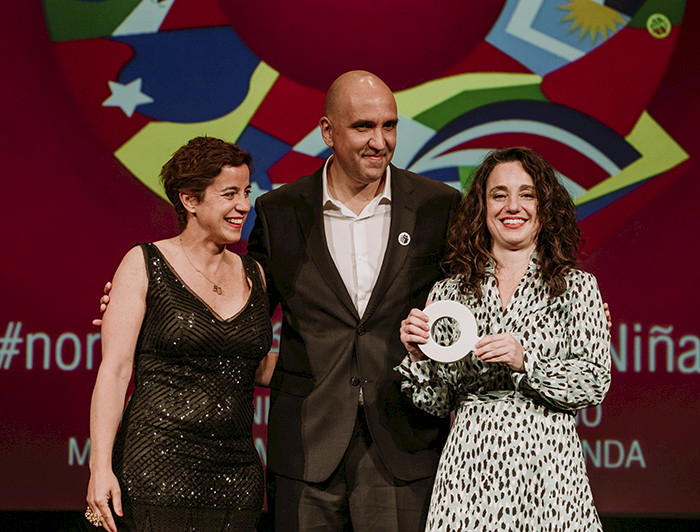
[{"x": 513, "y": 460}]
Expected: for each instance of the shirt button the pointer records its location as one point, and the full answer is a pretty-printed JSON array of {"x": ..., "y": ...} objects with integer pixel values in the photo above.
[{"x": 355, "y": 381}]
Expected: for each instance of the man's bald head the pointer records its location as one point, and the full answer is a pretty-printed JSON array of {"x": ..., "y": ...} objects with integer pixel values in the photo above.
[
  {"x": 349, "y": 83},
  {"x": 359, "y": 124}
]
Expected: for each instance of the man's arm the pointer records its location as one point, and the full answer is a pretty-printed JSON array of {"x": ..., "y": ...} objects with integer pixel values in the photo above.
[
  {"x": 104, "y": 301},
  {"x": 259, "y": 247}
]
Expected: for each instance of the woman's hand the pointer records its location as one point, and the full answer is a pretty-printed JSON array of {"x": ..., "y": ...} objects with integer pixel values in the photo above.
[
  {"x": 414, "y": 331},
  {"x": 501, "y": 348},
  {"x": 101, "y": 488},
  {"x": 608, "y": 317}
]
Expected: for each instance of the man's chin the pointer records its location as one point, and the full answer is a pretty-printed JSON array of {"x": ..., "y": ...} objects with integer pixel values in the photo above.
[
  {"x": 372, "y": 177},
  {"x": 374, "y": 173}
]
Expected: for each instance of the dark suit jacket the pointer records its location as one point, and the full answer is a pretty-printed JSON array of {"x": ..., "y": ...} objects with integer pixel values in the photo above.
[{"x": 327, "y": 350}]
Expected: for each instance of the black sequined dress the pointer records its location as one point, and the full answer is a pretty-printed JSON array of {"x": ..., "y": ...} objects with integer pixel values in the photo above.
[{"x": 184, "y": 454}]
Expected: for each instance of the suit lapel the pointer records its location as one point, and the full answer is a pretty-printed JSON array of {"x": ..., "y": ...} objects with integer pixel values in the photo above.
[
  {"x": 403, "y": 220},
  {"x": 310, "y": 216}
]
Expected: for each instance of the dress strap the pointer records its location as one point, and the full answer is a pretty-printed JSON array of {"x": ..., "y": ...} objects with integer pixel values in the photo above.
[
  {"x": 252, "y": 271},
  {"x": 153, "y": 257},
  {"x": 149, "y": 250}
]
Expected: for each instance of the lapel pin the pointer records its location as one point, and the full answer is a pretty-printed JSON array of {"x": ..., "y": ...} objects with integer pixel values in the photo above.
[{"x": 404, "y": 239}]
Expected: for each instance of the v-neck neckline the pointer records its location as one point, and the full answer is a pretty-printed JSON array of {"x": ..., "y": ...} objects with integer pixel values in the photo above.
[
  {"x": 200, "y": 299},
  {"x": 509, "y": 306}
]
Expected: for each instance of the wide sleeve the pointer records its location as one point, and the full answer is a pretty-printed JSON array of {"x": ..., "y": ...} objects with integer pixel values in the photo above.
[
  {"x": 569, "y": 364},
  {"x": 437, "y": 387},
  {"x": 431, "y": 385}
]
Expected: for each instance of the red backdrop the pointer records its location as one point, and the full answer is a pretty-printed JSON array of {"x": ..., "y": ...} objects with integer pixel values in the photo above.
[{"x": 72, "y": 210}]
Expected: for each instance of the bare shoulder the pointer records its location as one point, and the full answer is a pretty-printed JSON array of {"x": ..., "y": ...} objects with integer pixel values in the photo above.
[
  {"x": 133, "y": 257},
  {"x": 168, "y": 246},
  {"x": 132, "y": 269}
]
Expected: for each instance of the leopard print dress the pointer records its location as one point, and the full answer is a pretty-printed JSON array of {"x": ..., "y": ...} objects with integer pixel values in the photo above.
[{"x": 513, "y": 460}]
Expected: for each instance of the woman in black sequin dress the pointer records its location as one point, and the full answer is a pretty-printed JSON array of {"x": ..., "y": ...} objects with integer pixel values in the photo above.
[{"x": 190, "y": 319}]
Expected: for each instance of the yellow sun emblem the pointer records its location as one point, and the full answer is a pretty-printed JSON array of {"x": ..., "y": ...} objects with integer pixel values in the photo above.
[{"x": 589, "y": 16}]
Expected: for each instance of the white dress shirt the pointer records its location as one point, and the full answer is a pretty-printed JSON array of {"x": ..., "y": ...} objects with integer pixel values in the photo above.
[{"x": 357, "y": 242}]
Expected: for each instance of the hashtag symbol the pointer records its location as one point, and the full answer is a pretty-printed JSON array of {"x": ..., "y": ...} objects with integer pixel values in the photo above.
[{"x": 8, "y": 344}]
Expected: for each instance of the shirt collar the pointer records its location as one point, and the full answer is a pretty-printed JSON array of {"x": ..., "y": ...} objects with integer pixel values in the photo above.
[{"x": 384, "y": 197}]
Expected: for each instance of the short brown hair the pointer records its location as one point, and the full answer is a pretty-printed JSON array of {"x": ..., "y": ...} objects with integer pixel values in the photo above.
[{"x": 194, "y": 166}]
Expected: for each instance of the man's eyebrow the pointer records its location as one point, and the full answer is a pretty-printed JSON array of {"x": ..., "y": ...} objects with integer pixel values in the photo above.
[{"x": 365, "y": 123}]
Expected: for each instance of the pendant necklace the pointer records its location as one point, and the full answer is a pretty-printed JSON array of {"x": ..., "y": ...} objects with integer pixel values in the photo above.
[{"x": 216, "y": 286}]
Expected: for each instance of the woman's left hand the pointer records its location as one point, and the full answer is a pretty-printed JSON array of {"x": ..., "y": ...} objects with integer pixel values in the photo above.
[{"x": 501, "y": 348}]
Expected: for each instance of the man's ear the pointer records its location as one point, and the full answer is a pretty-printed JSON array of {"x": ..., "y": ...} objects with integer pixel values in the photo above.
[
  {"x": 189, "y": 202},
  {"x": 326, "y": 130}
]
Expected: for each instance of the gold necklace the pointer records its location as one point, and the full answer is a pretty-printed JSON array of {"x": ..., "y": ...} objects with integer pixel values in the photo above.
[{"x": 216, "y": 286}]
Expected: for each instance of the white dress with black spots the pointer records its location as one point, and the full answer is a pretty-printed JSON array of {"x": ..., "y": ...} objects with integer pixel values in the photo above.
[{"x": 513, "y": 460}]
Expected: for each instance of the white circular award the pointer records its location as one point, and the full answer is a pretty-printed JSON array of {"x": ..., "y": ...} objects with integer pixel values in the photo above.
[{"x": 468, "y": 335}]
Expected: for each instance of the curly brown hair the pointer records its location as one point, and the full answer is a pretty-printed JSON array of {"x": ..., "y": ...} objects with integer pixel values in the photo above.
[
  {"x": 194, "y": 166},
  {"x": 469, "y": 241}
]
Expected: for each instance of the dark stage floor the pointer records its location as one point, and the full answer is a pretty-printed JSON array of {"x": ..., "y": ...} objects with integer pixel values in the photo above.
[{"x": 69, "y": 521}]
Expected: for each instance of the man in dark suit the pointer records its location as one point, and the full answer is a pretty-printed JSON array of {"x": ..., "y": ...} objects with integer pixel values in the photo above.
[{"x": 347, "y": 252}]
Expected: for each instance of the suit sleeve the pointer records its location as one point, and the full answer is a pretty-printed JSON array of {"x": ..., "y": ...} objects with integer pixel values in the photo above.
[
  {"x": 259, "y": 248},
  {"x": 455, "y": 199},
  {"x": 454, "y": 207}
]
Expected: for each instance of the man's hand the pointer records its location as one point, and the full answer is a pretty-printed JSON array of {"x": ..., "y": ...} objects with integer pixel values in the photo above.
[
  {"x": 607, "y": 315},
  {"x": 104, "y": 301}
]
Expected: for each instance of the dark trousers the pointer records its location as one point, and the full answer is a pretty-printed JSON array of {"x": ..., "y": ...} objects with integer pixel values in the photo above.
[{"x": 361, "y": 495}]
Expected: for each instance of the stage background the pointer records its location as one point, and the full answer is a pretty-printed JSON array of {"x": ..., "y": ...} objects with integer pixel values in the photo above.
[{"x": 96, "y": 95}]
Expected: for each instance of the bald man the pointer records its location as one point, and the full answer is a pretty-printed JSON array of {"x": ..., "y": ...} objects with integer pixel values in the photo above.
[{"x": 347, "y": 252}]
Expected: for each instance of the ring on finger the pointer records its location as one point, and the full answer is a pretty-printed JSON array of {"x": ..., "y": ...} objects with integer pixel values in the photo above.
[{"x": 94, "y": 518}]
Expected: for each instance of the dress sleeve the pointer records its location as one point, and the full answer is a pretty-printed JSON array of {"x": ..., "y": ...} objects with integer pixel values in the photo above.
[
  {"x": 569, "y": 364},
  {"x": 430, "y": 385},
  {"x": 436, "y": 387}
]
